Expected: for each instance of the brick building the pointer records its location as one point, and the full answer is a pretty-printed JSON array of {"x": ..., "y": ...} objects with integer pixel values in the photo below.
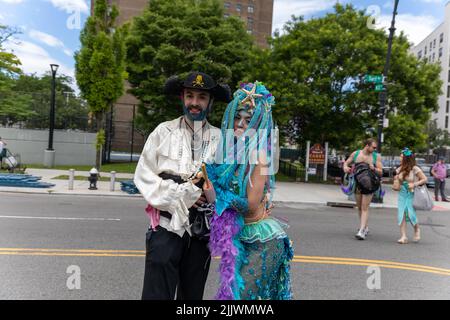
[{"x": 258, "y": 17}]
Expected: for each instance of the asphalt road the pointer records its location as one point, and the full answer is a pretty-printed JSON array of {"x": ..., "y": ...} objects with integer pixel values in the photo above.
[{"x": 41, "y": 236}]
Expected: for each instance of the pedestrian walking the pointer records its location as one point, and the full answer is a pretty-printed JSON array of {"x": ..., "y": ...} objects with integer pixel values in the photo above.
[
  {"x": 2, "y": 152},
  {"x": 367, "y": 170},
  {"x": 167, "y": 175},
  {"x": 408, "y": 176},
  {"x": 439, "y": 172}
]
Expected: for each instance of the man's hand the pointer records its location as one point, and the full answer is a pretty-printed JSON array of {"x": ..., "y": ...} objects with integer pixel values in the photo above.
[{"x": 202, "y": 200}]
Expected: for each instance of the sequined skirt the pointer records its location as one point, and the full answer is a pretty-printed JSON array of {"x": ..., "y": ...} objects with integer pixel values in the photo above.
[{"x": 266, "y": 263}]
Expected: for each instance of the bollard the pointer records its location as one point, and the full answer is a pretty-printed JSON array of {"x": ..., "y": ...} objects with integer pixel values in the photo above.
[
  {"x": 113, "y": 180},
  {"x": 71, "y": 178}
]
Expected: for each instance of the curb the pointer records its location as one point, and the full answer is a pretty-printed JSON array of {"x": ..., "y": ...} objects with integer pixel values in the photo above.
[
  {"x": 288, "y": 204},
  {"x": 56, "y": 193}
]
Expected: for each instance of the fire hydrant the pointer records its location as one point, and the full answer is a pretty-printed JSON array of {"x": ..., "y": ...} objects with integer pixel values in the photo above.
[{"x": 93, "y": 178}]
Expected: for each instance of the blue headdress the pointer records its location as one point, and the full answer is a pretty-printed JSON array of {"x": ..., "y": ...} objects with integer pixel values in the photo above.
[
  {"x": 406, "y": 152},
  {"x": 256, "y": 144}
]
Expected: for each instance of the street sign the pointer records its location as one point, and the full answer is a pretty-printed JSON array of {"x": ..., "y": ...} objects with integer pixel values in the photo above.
[
  {"x": 377, "y": 78},
  {"x": 312, "y": 171},
  {"x": 379, "y": 87},
  {"x": 317, "y": 154}
]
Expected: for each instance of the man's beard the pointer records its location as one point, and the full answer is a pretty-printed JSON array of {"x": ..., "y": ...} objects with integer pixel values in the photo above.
[{"x": 195, "y": 112}]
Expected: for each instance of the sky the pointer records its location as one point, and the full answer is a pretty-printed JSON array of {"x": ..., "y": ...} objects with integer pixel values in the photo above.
[{"x": 50, "y": 29}]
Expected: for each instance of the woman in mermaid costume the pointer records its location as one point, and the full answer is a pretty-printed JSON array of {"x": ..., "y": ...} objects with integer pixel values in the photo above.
[{"x": 255, "y": 250}]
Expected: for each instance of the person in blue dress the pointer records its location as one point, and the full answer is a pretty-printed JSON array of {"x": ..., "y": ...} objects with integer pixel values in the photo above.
[
  {"x": 409, "y": 176},
  {"x": 254, "y": 248}
]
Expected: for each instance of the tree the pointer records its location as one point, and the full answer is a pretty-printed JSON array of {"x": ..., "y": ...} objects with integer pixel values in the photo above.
[
  {"x": 14, "y": 107},
  {"x": 26, "y": 99},
  {"x": 176, "y": 37},
  {"x": 9, "y": 63},
  {"x": 316, "y": 71},
  {"x": 436, "y": 138},
  {"x": 100, "y": 66}
]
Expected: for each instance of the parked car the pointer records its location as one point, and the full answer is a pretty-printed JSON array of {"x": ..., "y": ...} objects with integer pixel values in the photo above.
[
  {"x": 389, "y": 165},
  {"x": 426, "y": 168}
]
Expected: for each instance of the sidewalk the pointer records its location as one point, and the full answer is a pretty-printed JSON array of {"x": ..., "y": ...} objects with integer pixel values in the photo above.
[{"x": 286, "y": 193}]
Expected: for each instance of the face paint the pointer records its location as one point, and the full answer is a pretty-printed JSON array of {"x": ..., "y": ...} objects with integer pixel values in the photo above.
[{"x": 195, "y": 116}]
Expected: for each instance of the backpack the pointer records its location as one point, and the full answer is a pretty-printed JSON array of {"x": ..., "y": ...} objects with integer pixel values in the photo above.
[{"x": 367, "y": 180}]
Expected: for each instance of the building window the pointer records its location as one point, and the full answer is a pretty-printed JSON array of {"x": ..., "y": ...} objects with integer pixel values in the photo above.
[
  {"x": 434, "y": 56},
  {"x": 419, "y": 55},
  {"x": 441, "y": 52},
  {"x": 251, "y": 9},
  {"x": 431, "y": 45},
  {"x": 227, "y": 5},
  {"x": 448, "y": 107},
  {"x": 446, "y": 122},
  {"x": 441, "y": 38},
  {"x": 448, "y": 92},
  {"x": 238, "y": 7},
  {"x": 425, "y": 50},
  {"x": 434, "y": 43}
]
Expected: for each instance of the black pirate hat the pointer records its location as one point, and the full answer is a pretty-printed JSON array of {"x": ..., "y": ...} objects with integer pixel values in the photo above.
[{"x": 200, "y": 81}]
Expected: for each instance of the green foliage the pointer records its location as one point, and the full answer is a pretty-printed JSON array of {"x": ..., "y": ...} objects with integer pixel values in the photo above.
[
  {"x": 100, "y": 139},
  {"x": 100, "y": 63},
  {"x": 316, "y": 68},
  {"x": 27, "y": 99},
  {"x": 176, "y": 37},
  {"x": 437, "y": 138},
  {"x": 99, "y": 67},
  {"x": 9, "y": 63},
  {"x": 14, "y": 107}
]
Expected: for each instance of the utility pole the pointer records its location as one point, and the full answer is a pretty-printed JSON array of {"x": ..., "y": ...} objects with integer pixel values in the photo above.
[{"x": 383, "y": 94}]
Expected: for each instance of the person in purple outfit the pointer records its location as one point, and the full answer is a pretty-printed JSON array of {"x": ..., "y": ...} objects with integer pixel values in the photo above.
[{"x": 439, "y": 172}]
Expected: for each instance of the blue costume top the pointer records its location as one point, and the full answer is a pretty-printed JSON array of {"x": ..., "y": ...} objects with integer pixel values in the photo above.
[{"x": 255, "y": 256}]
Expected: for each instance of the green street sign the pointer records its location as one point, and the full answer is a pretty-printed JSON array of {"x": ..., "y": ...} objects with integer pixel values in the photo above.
[
  {"x": 379, "y": 87},
  {"x": 377, "y": 78}
]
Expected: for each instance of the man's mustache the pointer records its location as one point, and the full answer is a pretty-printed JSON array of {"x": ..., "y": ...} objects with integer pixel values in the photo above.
[{"x": 194, "y": 107}]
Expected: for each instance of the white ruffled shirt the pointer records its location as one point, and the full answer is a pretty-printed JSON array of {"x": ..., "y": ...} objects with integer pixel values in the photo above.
[{"x": 168, "y": 149}]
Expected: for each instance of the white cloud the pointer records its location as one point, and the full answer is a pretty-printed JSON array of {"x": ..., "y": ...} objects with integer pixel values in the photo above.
[
  {"x": 416, "y": 28},
  {"x": 284, "y": 9},
  {"x": 71, "y": 6},
  {"x": 50, "y": 41},
  {"x": 36, "y": 59},
  {"x": 12, "y": 1}
]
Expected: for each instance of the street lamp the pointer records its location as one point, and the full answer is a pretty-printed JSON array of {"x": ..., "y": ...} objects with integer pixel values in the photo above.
[
  {"x": 383, "y": 94},
  {"x": 49, "y": 159}
]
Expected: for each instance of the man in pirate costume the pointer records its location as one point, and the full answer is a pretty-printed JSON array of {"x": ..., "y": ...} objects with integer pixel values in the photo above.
[{"x": 167, "y": 175}]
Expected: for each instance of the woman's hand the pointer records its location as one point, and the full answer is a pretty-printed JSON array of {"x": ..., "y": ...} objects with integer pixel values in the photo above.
[{"x": 411, "y": 186}]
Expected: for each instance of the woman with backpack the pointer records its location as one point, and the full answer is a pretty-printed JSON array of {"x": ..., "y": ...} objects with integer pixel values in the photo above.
[
  {"x": 408, "y": 177},
  {"x": 367, "y": 171}
]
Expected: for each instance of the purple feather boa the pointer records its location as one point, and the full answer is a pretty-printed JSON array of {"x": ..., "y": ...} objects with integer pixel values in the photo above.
[{"x": 224, "y": 229}]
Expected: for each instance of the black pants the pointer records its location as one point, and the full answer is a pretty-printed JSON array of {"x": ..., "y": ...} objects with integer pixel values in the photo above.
[
  {"x": 175, "y": 264},
  {"x": 439, "y": 185}
]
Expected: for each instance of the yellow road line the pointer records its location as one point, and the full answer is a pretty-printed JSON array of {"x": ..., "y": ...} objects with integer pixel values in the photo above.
[
  {"x": 389, "y": 266},
  {"x": 13, "y": 253},
  {"x": 298, "y": 259},
  {"x": 373, "y": 262},
  {"x": 68, "y": 250}
]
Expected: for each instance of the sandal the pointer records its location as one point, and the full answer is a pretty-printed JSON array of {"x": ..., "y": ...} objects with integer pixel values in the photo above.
[
  {"x": 417, "y": 236},
  {"x": 403, "y": 240}
]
